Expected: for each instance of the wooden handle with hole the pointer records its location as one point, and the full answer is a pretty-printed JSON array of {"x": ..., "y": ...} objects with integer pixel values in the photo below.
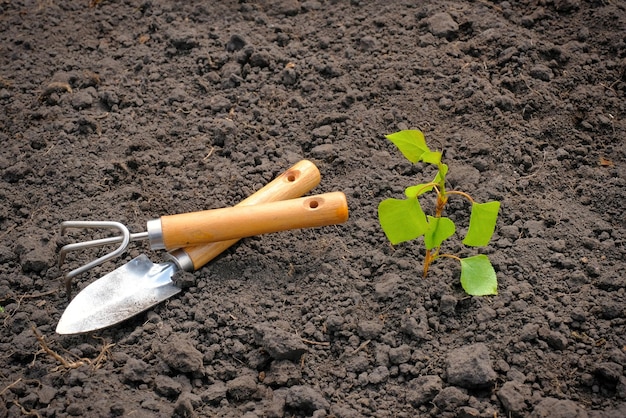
[
  {"x": 298, "y": 180},
  {"x": 245, "y": 221}
]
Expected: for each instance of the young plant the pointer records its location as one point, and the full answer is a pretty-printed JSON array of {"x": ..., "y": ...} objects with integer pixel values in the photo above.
[{"x": 404, "y": 220}]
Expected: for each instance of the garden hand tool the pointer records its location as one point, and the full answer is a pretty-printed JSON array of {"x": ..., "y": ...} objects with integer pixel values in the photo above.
[
  {"x": 296, "y": 181},
  {"x": 141, "y": 284},
  {"x": 301, "y": 178},
  {"x": 183, "y": 230}
]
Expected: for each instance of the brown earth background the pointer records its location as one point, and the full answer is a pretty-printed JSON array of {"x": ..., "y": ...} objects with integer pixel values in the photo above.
[{"x": 129, "y": 110}]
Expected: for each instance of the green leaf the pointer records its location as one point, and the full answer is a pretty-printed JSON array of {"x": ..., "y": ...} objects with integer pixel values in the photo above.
[
  {"x": 417, "y": 190},
  {"x": 482, "y": 223},
  {"x": 420, "y": 189},
  {"x": 440, "y": 229},
  {"x": 478, "y": 277},
  {"x": 411, "y": 144},
  {"x": 431, "y": 157},
  {"x": 442, "y": 168},
  {"x": 402, "y": 220}
]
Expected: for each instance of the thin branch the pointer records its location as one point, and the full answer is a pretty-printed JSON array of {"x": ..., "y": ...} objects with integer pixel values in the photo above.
[{"x": 465, "y": 195}]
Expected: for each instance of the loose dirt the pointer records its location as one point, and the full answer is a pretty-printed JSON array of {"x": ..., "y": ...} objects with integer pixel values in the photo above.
[{"x": 129, "y": 110}]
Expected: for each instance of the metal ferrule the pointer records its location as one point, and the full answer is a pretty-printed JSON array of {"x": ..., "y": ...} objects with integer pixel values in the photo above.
[
  {"x": 155, "y": 234},
  {"x": 182, "y": 259}
]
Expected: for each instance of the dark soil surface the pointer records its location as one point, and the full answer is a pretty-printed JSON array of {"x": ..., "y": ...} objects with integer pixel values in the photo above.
[{"x": 129, "y": 110}]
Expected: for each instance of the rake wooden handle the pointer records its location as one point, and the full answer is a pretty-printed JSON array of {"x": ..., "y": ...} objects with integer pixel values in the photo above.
[
  {"x": 295, "y": 182},
  {"x": 245, "y": 221}
]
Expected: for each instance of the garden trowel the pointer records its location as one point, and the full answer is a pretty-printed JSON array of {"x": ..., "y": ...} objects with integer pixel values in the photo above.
[{"x": 140, "y": 284}]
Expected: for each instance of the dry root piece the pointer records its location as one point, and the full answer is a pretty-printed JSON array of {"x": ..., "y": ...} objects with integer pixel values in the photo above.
[
  {"x": 55, "y": 87},
  {"x": 26, "y": 412},
  {"x": 68, "y": 364}
]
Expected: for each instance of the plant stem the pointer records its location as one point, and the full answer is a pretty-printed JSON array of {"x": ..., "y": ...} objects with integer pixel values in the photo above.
[
  {"x": 465, "y": 195},
  {"x": 441, "y": 203},
  {"x": 429, "y": 258},
  {"x": 442, "y": 200},
  {"x": 451, "y": 256},
  {"x": 427, "y": 261}
]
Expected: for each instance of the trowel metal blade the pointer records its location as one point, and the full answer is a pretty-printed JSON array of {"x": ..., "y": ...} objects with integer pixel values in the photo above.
[{"x": 121, "y": 294}]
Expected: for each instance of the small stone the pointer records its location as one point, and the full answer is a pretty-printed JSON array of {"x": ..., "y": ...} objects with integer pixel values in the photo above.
[
  {"x": 558, "y": 408},
  {"x": 275, "y": 407},
  {"x": 447, "y": 305},
  {"x": 423, "y": 389},
  {"x": 183, "y": 40},
  {"x": 400, "y": 354},
  {"x": 334, "y": 323},
  {"x": 566, "y": 6},
  {"x": 235, "y": 43},
  {"x": 6, "y": 254},
  {"x": 282, "y": 7},
  {"x": 357, "y": 364},
  {"x": 509, "y": 231},
  {"x": 36, "y": 260},
  {"x": 541, "y": 72},
  {"x": 167, "y": 387},
  {"x": 323, "y": 151},
  {"x": 379, "y": 375},
  {"x": 450, "y": 399},
  {"x": 609, "y": 371},
  {"x": 231, "y": 70},
  {"x": 83, "y": 99},
  {"x": 117, "y": 409},
  {"x": 260, "y": 59},
  {"x": 17, "y": 172},
  {"x": 283, "y": 373},
  {"x": 279, "y": 344},
  {"x": 182, "y": 356},
  {"x": 219, "y": 103},
  {"x": 534, "y": 228},
  {"x": 306, "y": 399},
  {"x": 464, "y": 176},
  {"x": 612, "y": 310},
  {"x": 46, "y": 394},
  {"x": 442, "y": 25},
  {"x": 369, "y": 330},
  {"x": 529, "y": 332},
  {"x": 470, "y": 367},
  {"x": 136, "y": 371},
  {"x": 468, "y": 412},
  {"x": 486, "y": 314},
  {"x": 177, "y": 95},
  {"x": 513, "y": 396},
  {"x": 214, "y": 393},
  {"x": 554, "y": 339},
  {"x": 241, "y": 388},
  {"x": 185, "y": 404},
  {"x": 288, "y": 76},
  {"x": 516, "y": 375},
  {"x": 367, "y": 43},
  {"x": 75, "y": 410},
  {"x": 323, "y": 131},
  {"x": 414, "y": 328},
  {"x": 388, "y": 287},
  {"x": 578, "y": 315}
]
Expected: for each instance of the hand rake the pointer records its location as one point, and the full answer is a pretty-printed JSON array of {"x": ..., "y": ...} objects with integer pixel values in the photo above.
[{"x": 177, "y": 231}]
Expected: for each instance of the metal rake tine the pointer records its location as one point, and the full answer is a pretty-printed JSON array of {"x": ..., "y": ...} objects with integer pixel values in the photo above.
[{"x": 124, "y": 239}]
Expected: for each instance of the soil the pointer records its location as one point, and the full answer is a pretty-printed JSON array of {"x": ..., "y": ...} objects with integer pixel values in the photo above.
[{"x": 129, "y": 110}]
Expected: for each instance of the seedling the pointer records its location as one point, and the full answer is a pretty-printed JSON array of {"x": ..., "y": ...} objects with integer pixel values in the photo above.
[{"x": 404, "y": 220}]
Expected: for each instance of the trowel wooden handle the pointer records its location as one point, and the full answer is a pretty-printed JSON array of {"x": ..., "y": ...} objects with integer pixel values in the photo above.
[
  {"x": 295, "y": 182},
  {"x": 245, "y": 221}
]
